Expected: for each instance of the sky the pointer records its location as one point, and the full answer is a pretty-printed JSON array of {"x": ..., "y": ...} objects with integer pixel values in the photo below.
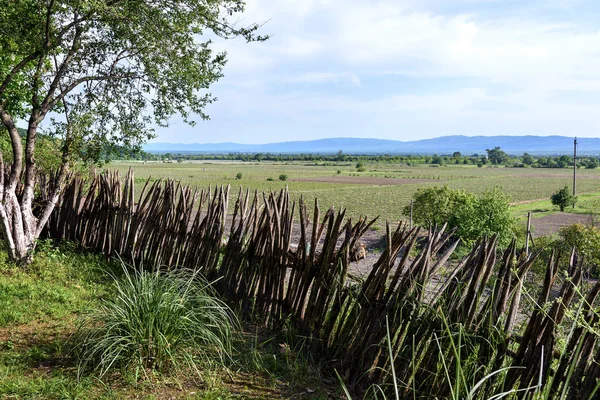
[{"x": 406, "y": 70}]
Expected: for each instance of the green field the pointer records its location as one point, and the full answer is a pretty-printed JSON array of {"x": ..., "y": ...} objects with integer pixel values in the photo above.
[{"x": 361, "y": 197}]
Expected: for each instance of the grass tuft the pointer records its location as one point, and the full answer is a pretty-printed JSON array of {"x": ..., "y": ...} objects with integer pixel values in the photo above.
[{"x": 155, "y": 321}]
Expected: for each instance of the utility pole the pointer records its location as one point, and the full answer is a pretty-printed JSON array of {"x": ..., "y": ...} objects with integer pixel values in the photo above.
[{"x": 574, "y": 169}]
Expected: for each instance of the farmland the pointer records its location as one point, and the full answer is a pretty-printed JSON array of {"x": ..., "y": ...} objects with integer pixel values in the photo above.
[{"x": 381, "y": 190}]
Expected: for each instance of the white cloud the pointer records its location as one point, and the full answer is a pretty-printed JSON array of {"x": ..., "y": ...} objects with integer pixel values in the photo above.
[
  {"x": 325, "y": 77},
  {"x": 545, "y": 62},
  {"x": 508, "y": 50}
]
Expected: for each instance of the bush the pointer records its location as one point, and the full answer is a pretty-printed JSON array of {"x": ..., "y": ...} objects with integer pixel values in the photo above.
[
  {"x": 563, "y": 198},
  {"x": 269, "y": 179},
  {"x": 436, "y": 205},
  {"x": 528, "y": 159},
  {"x": 437, "y": 160},
  {"x": 283, "y": 177},
  {"x": 238, "y": 176},
  {"x": 154, "y": 321},
  {"x": 473, "y": 216},
  {"x": 591, "y": 163},
  {"x": 585, "y": 239},
  {"x": 486, "y": 215}
]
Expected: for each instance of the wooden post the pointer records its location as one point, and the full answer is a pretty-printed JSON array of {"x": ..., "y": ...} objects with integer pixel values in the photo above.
[
  {"x": 574, "y": 169},
  {"x": 528, "y": 233},
  {"x": 411, "y": 214}
]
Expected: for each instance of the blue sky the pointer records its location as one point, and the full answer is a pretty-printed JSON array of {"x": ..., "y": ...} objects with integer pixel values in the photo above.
[{"x": 407, "y": 70}]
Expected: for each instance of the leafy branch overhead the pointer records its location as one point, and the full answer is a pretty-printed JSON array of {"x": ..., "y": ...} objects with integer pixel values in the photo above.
[
  {"x": 104, "y": 72},
  {"x": 119, "y": 65}
]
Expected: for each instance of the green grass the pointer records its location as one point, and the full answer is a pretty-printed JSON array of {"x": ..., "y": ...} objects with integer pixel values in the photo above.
[
  {"x": 39, "y": 307},
  {"x": 587, "y": 204},
  {"x": 156, "y": 321},
  {"x": 51, "y": 288},
  {"x": 522, "y": 184}
]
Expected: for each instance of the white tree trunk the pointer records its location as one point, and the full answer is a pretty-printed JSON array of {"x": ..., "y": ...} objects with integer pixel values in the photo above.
[
  {"x": 19, "y": 238},
  {"x": 20, "y": 227}
]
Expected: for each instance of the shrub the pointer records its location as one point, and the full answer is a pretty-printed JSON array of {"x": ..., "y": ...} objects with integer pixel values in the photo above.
[
  {"x": 473, "y": 216},
  {"x": 238, "y": 176},
  {"x": 585, "y": 239},
  {"x": 269, "y": 179},
  {"x": 436, "y": 205},
  {"x": 489, "y": 214},
  {"x": 528, "y": 159},
  {"x": 283, "y": 177},
  {"x": 591, "y": 163},
  {"x": 154, "y": 321},
  {"x": 437, "y": 160},
  {"x": 563, "y": 198}
]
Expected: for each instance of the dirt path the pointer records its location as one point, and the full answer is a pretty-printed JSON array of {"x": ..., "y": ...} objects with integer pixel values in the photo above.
[{"x": 549, "y": 224}]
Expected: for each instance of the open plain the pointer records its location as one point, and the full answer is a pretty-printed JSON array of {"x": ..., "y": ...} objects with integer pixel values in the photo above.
[{"x": 383, "y": 189}]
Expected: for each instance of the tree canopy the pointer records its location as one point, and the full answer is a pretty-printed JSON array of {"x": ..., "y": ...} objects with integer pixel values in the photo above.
[
  {"x": 118, "y": 66},
  {"x": 106, "y": 72},
  {"x": 563, "y": 198},
  {"x": 497, "y": 155}
]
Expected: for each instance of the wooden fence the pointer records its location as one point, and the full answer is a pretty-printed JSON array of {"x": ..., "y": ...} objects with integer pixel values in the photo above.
[{"x": 276, "y": 268}]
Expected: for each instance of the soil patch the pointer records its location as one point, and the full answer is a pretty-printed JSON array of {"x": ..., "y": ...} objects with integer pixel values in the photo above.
[
  {"x": 556, "y": 176},
  {"x": 364, "y": 180},
  {"x": 550, "y": 224}
]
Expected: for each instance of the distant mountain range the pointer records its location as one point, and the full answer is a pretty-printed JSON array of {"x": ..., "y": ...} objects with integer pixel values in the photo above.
[{"x": 442, "y": 145}]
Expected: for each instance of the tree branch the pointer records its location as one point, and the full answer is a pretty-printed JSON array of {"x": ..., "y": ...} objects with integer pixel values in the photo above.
[
  {"x": 83, "y": 18},
  {"x": 48, "y": 20},
  {"x": 16, "y": 69},
  {"x": 79, "y": 81},
  {"x": 49, "y": 207},
  {"x": 61, "y": 71},
  {"x": 5, "y": 219},
  {"x": 51, "y": 43},
  {"x": 17, "y": 147},
  {"x": 64, "y": 167}
]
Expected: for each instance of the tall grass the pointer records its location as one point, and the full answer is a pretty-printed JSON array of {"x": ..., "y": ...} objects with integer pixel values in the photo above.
[
  {"x": 155, "y": 321},
  {"x": 454, "y": 361},
  {"x": 455, "y": 369}
]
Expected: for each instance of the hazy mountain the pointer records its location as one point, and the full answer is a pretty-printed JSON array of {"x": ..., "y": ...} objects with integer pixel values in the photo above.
[{"x": 440, "y": 145}]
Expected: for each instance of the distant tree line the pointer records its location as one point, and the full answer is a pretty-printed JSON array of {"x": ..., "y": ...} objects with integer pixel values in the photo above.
[
  {"x": 493, "y": 157},
  {"x": 48, "y": 156}
]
